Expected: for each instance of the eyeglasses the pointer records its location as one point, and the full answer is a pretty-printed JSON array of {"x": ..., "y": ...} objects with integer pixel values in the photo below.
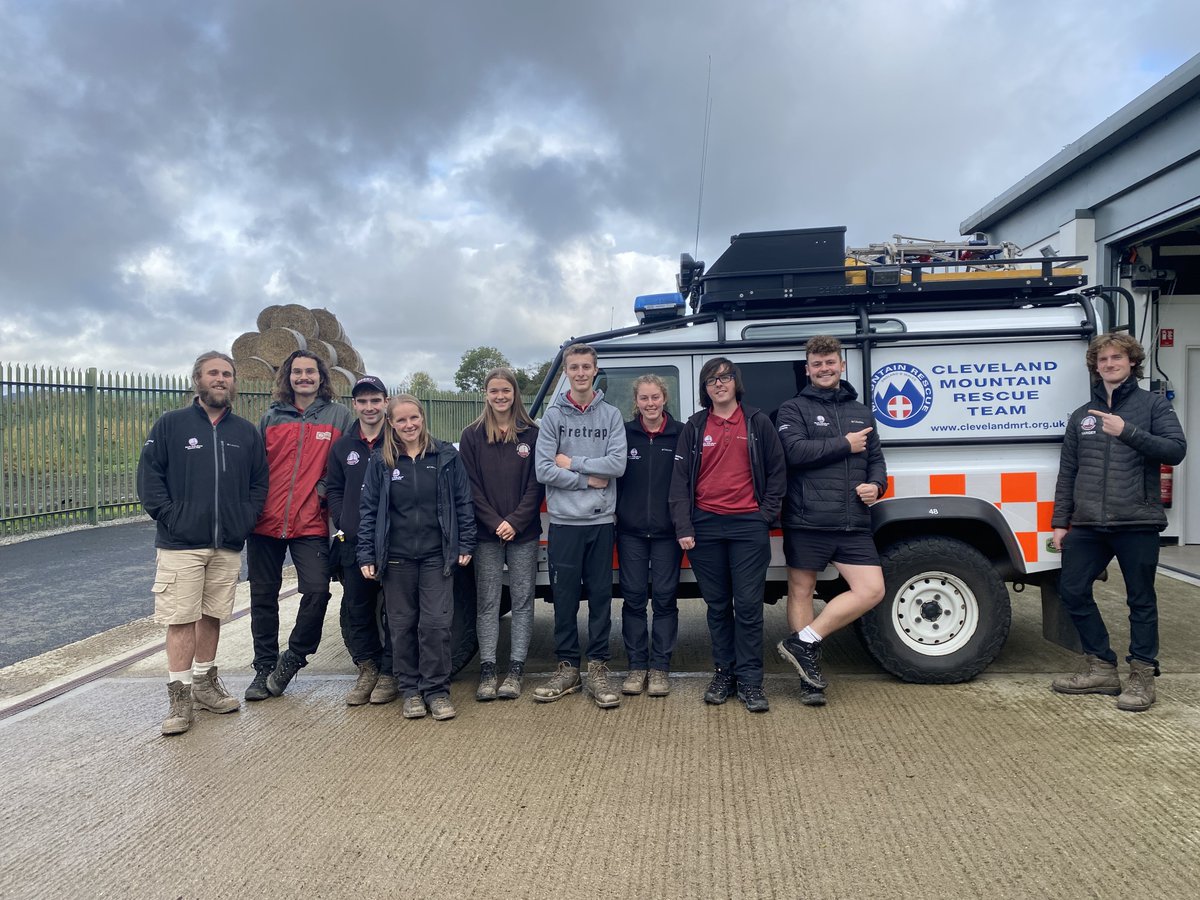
[{"x": 723, "y": 378}]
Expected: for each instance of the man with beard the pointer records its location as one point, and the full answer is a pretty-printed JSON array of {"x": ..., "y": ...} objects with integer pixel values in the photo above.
[
  {"x": 202, "y": 477},
  {"x": 298, "y": 430},
  {"x": 372, "y": 654}
]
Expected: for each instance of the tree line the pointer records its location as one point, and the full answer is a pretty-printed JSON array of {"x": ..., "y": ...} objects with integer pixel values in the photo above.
[{"x": 473, "y": 368}]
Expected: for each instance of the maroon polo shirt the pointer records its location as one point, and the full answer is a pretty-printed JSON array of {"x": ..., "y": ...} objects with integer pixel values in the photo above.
[{"x": 725, "y": 485}]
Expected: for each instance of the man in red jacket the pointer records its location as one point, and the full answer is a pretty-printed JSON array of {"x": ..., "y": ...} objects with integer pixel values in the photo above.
[{"x": 298, "y": 430}]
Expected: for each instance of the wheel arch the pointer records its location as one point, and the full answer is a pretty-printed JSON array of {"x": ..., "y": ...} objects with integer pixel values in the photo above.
[{"x": 968, "y": 519}]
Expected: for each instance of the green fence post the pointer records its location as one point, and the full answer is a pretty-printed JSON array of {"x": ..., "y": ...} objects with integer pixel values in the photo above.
[{"x": 93, "y": 462}]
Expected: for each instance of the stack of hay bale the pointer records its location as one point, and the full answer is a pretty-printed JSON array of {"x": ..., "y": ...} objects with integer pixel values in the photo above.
[{"x": 284, "y": 329}]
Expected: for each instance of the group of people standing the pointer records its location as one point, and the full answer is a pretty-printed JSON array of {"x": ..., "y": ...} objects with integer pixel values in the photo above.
[{"x": 408, "y": 510}]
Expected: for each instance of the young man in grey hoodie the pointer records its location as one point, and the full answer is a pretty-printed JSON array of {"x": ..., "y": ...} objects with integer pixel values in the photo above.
[{"x": 580, "y": 454}]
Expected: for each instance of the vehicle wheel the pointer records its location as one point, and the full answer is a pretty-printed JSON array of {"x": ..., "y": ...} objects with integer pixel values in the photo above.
[
  {"x": 945, "y": 614},
  {"x": 464, "y": 642}
]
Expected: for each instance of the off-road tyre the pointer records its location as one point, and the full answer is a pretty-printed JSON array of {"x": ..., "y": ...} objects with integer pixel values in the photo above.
[{"x": 910, "y": 639}]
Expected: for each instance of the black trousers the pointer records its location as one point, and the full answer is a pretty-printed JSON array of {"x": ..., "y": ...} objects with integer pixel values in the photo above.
[
  {"x": 420, "y": 606},
  {"x": 730, "y": 561},
  {"x": 649, "y": 568},
  {"x": 264, "y": 564},
  {"x": 364, "y": 624},
  {"x": 1086, "y": 553},
  {"x": 580, "y": 557}
]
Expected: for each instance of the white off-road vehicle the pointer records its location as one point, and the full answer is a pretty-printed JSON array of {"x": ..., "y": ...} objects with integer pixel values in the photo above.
[{"x": 971, "y": 360}]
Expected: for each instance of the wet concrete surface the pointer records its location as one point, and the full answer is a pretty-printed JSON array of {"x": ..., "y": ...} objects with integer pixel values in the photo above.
[{"x": 996, "y": 788}]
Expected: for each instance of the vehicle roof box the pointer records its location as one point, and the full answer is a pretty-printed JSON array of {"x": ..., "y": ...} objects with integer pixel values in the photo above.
[{"x": 763, "y": 268}]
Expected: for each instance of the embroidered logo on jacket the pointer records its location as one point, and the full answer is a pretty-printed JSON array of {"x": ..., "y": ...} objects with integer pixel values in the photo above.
[
  {"x": 1087, "y": 424},
  {"x": 396, "y": 476},
  {"x": 324, "y": 435},
  {"x": 352, "y": 458},
  {"x": 523, "y": 451},
  {"x": 193, "y": 444}
]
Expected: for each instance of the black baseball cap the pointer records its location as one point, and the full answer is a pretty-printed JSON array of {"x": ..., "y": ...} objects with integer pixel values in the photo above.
[{"x": 368, "y": 383}]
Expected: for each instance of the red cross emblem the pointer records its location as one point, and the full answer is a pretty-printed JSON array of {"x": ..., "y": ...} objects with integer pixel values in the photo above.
[{"x": 899, "y": 407}]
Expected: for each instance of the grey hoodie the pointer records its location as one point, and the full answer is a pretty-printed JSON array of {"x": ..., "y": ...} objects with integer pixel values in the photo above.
[{"x": 595, "y": 441}]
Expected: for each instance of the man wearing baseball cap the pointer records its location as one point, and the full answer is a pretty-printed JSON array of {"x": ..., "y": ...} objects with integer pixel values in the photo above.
[{"x": 370, "y": 646}]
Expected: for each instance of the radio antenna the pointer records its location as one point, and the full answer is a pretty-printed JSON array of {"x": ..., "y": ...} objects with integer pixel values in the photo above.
[{"x": 704, "y": 153}]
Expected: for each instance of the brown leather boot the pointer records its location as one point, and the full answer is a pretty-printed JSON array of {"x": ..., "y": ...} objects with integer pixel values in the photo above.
[
  {"x": 1095, "y": 676},
  {"x": 1138, "y": 695}
]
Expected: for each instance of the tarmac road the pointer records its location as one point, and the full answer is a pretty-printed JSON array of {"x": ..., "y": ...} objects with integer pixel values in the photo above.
[{"x": 63, "y": 588}]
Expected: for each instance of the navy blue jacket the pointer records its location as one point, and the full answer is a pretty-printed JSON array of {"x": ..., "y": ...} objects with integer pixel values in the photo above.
[
  {"x": 204, "y": 484},
  {"x": 455, "y": 511},
  {"x": 643, "y": 491}
]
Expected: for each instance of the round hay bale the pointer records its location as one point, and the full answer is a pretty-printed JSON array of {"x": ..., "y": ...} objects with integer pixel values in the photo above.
[
  {"x": 266, "y": 318},
  {"x": 348, "y": 356},
  {"x": 245, "y": 345},
  {"x": 297, "y": 318},
  {"x": 328, "y": 326},
  {"x": 341, "y": 380},
  {"x": 276, "y": 344},
  {"x": 253, "y": 368},
  {"x": 325, "y": 350}
]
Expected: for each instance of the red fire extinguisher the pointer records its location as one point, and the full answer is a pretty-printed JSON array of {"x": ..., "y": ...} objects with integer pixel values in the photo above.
[{"x": 1166, "y": 484}]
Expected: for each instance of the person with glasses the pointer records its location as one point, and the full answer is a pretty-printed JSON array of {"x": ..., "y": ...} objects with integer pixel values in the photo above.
[{"x": 726, "y": 491}]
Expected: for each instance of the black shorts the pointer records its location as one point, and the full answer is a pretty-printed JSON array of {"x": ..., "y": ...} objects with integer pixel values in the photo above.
[{"x": 813, "y": 549}]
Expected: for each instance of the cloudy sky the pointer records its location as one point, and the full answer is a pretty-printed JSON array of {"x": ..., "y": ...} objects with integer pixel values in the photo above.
[{"x": 449, "y": 174}]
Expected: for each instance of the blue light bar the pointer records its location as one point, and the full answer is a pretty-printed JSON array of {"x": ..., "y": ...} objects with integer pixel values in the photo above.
[{"x": 650, "y": 307}]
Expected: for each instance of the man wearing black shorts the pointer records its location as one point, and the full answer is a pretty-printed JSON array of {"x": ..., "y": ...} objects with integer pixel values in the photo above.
[{"x": 835, "y": 472}]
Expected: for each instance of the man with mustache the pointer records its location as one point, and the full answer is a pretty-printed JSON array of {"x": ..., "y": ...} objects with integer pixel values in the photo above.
[{"x": 298, "y": 430}]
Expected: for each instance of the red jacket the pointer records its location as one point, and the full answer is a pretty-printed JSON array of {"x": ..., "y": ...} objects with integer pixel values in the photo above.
[{"x": 297, "y": 445}]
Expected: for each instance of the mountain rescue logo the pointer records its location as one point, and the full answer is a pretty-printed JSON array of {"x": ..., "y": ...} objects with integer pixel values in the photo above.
[
  {"x": 396, "y": 476},
  {"x": 821, "y": 422},
  {"x": 523, "y": 451},
  {"x": 708, "y": 441},
  {"x": 193, "y": 444},
  {"x": 352, "y": 458},
  {"x": 633, "y": 453},
  {"x": 1087, "y": 424},
  {"x": 901, "y": 394}
]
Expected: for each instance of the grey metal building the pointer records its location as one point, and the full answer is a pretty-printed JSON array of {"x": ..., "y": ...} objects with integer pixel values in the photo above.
[{"x": 1127, "y": 196}]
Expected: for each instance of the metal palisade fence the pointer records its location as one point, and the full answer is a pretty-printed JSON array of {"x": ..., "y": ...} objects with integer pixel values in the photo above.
[{"x": 70, "y": 439}]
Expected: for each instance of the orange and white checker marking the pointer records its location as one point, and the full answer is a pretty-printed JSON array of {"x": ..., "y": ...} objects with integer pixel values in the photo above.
[{"x": 1025, "y": 498}]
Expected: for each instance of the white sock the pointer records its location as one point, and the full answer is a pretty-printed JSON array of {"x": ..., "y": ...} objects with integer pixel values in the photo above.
[
  {"x": 199, "y": 668},
  {"x": 185, "y": 676},
  {"x": 808, "y": 635}
]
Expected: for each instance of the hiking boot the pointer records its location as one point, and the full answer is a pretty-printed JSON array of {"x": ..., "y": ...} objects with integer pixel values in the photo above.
[
  {"x": 442, "y": 708},
  {"x": 487, "y": 689},
  {"x": 511, "y": 689},
  {"x": 660, "y": 683},
  {"x": 1094, "y": 676},
  {"x": 806, "y": 658},
  {"x": 810, "y": 696},
  {"x": 1138, "y": 695},
  {"x": 285, "y": 670},
  {"x": 720, "y": 688},
  {"x": 208, "y": 692},
  {"x": 753, "y": 698},
  {"x": 599, "y": 687},
  {"x": 179, "y": 716},
  {"x": 565, "y": 680},
  {"x": 386, "y": 690},
  {"x": 368, "y": 677},
  {"x": 258, "y": 687},
  {"x": 635, "y": 682},
  {"x": 414, "y": 707}
]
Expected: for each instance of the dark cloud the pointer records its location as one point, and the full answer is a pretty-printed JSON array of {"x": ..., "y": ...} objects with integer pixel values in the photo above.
[{"x": 445, "y": 175}]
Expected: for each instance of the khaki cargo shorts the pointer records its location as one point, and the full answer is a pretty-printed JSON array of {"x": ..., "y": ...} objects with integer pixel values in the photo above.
[{"x": 191, "y": 583}]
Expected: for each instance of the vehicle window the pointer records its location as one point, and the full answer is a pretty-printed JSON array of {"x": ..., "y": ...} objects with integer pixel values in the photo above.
[
  {"x": 617, "y": 384},
  {"x": 802, "y": 331},
  {"x": 769, "y": 384}
]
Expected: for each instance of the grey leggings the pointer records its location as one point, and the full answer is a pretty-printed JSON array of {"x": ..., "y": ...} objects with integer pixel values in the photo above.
[{"x": 490, "y": 557}]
